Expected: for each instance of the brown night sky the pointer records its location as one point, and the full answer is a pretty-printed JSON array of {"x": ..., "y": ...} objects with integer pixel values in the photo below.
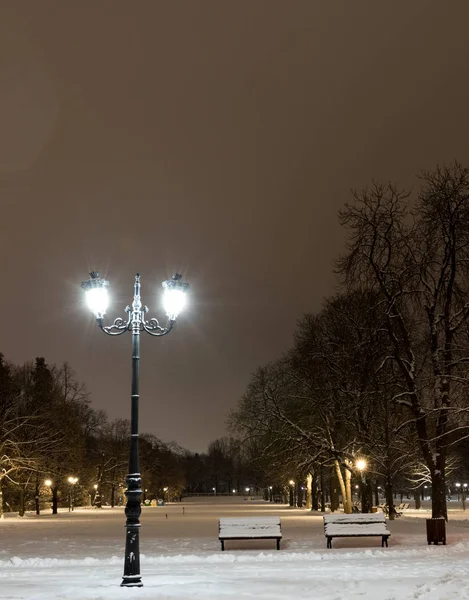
[{"x": 217, "y": 138}]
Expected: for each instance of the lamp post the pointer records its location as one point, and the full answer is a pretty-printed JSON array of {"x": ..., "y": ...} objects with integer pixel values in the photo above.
[
  {"x": 291, "y": 499},
  {"x": 174, "y": 300},
  {"x": 48, "y": 484},
  {"x": 365, "y": 488},
  {"x": 72, "y": 481},
  {"x": 98, "y": 501}
]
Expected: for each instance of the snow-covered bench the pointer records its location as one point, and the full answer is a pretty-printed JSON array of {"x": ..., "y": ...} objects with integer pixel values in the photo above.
[
  {"x": 249, "y": 528},
  {"x": 356, "y": 525}
]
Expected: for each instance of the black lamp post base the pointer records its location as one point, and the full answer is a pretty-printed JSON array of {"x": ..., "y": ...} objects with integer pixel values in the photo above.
[{"x": 134, "y": 581}]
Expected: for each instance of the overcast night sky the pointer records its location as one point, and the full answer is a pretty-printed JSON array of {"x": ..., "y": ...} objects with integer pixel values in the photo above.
[{"x": 214, "y": 138}]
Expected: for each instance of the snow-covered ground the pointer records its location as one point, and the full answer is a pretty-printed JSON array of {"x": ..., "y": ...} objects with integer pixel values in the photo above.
[{"x": 78, "y": 555}]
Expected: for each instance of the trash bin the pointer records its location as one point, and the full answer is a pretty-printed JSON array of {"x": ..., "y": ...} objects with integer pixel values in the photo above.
[{"x": 436, "y": 531}]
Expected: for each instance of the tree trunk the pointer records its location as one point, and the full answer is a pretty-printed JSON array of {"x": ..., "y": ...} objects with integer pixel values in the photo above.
[
  {"x": 36, "y": 497},
  {"x": 367, "y": 495},
  {"x": 323, "y": 491},
  {"x": 344, "y": 487},
  {"x": 21, "y": 507},
  {"x": 1, "y": 499},
  {"x": 334, "y": 491},
  {"x": 389, "y": 498},
  {"x": 314, "y": 492},
  {"x": 417, "y": 498},
  {"x": 309, "y": 491},
  {"x": 55, "y": 500},
  {"x": 348, "y": 488},
  {"x": 299, "y": 495},
  {"x": 439, "y": 495},
  {"x": 376, "y": 493},
  {"x": 113, "y": 495}
]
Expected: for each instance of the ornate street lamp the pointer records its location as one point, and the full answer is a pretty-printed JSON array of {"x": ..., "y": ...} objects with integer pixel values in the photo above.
[{"x": 174, "y": 300}]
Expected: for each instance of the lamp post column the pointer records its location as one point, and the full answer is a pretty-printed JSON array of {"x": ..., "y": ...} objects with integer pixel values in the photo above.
[
  {"x": 133, "y": 510},
  {"x": 174, "y": 300}
]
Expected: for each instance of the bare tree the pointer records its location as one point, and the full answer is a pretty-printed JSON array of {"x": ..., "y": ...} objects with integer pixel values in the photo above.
[{"x": 416, "y": 258}]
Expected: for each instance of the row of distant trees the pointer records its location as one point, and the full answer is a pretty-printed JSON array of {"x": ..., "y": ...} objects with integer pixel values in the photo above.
[
  {"x": 49, "y": 431},
  {"x": 380, "y": 373}
]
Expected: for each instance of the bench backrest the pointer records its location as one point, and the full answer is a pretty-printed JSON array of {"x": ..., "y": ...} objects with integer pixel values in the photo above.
[
  {"x": 232, "y": 526},
  {"x": 357, "y": 518}
]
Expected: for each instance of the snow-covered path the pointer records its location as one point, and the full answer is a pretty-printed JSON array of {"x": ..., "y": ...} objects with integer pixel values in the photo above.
[{"x": 79, "y": 556}]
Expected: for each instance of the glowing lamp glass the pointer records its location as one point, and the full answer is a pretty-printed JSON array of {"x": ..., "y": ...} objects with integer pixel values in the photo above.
[
  {"x": 174, "y": 301},
  {"x": 361, "y": 465},
  {"x": 98, "y": 300}
]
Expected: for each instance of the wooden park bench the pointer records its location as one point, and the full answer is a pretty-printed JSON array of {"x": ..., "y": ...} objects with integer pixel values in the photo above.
[
  {"x": 398, "y": 510},
  {"x": 356, "y": 525},
  {"x": 249, "y": 528}
]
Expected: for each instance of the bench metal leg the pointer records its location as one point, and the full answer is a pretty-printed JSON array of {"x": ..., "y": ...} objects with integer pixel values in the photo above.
[
  {"x": 329, "y": 542},
  {"x": 278, "y": 543},
  {"x": 384, "y": 541},
  {"x": 222, "y": 545}
]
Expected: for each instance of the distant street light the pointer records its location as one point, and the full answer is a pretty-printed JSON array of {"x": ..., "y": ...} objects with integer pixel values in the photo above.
[
  {"x": 98, "y": 501},
  {"x": 48, "y": 484},
  {"x": 71, "y": 497},
  {"x": 365, "y": 489},
  {"x": 175, "y": 292},
  {"x": 291, "y": 499},
  {"x": 361, "y": 464}
]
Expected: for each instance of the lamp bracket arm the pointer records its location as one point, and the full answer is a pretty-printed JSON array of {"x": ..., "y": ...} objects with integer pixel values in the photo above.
[
  {"x": 152, "y": 327},
  {"x": 119, "y": 326}
]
